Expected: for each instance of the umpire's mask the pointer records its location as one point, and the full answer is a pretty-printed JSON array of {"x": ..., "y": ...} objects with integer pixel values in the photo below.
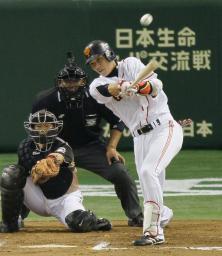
[{"x": 70, "y": 81}]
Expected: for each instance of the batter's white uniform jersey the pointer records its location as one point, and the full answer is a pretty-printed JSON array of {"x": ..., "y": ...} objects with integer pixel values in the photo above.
[
  {"x": 135, "y": 111},
  {"x": 155, "y": 149}
]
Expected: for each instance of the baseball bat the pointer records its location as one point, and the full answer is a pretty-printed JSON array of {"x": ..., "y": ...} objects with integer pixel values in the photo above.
[{"x": 149, "y": 68}]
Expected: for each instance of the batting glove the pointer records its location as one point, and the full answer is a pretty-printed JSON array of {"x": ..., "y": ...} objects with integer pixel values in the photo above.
[
  {"x": 144, "y": 88},
  {"x": 126, "y": 89}
]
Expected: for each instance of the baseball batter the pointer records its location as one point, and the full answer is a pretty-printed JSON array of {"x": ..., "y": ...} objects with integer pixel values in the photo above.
[{"x": 144, "y": 110}]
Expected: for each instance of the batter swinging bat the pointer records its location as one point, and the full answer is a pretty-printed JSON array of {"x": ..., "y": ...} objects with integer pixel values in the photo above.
[{"x": 150, "y": 67}]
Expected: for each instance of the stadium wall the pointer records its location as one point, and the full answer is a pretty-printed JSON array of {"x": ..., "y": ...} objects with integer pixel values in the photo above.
[{"x": 185, "y": 37}]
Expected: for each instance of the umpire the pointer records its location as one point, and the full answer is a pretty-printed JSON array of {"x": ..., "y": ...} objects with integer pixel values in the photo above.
[{"x": 71, "y": 102}]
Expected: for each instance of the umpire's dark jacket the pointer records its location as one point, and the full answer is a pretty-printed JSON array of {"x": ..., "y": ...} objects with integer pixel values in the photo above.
[{"x": 81, "y": 118}]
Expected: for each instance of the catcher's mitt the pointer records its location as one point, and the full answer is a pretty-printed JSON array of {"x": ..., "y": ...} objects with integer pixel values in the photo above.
[{"x": 45, "y": 169}]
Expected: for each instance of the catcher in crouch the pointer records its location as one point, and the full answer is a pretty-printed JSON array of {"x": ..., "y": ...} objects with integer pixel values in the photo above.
[{"x": 45, "y": 180}]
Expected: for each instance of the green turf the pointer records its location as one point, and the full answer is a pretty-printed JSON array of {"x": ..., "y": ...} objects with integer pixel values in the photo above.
[
  {"x": 188, "y": 164},
  {"x": 6, "y": 159},
  {"x": 210, "y": 182},
  {"x": 184, "y": 207},
  {"x": 196, "y": 164}
]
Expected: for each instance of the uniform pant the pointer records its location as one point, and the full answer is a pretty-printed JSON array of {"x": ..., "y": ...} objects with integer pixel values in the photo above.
[
  {"x": 153, "y": 153},
  {"x": 93, "y": 158},
  {"x": 60, "y": 207}
]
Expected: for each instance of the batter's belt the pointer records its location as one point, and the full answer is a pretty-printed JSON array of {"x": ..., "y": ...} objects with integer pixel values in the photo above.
[{"x": 147, "y": 128}]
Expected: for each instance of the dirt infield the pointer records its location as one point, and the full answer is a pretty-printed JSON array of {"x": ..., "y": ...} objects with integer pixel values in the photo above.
[{"x": 51, "y": 238}]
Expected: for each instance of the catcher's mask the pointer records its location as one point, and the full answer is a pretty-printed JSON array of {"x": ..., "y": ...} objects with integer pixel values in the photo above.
[
  {"x": 70, "y": 80},
  {"x": 98, "y": 48},
  {"x": 43, "y": 127}
]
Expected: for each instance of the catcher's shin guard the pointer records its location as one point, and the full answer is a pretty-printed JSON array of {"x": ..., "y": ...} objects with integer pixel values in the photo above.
[{"x": 12, "y": 182}]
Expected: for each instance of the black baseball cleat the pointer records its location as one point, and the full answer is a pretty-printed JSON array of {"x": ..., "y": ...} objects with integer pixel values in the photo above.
[
  {"x": 4, "y": 228},
  {"x": 136, "y": 222},
  {"x": 103, "y": 224},
  {"x": 148, "y": 240}
]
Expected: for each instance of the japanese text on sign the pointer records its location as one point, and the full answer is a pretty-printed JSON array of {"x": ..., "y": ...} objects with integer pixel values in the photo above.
[{"x": 165, "y": 41}]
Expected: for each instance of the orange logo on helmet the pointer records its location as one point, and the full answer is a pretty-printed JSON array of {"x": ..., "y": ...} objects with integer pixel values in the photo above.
[{"x": 87, "y": 52}]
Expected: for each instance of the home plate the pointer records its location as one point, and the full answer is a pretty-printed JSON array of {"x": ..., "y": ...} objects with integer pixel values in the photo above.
[
  {"x": 48, "y": 246},
  {"x": 101, "y": 246},
  {"x": 105, "y": 246}
]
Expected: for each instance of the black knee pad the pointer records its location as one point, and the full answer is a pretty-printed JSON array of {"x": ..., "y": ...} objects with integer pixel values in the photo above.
[
  {"x": 12, "y": 181},
  {"x": 81, "y": 221},
  {"x": 13, "y": 177}
]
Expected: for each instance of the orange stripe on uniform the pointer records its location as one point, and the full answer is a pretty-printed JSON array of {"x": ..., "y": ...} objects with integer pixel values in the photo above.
[{"x": 170, "y": 135}]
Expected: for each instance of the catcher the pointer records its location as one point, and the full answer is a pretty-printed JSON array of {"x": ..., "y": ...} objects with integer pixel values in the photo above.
[{"x": 45, "y": 180}]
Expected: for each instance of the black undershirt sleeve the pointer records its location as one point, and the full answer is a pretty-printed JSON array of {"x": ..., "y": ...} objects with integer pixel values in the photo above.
[{"x": 103, "y": 90}]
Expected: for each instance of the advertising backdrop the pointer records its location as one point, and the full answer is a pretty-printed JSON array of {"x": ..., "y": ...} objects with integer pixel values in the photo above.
[{"x": 184, "y": 37}]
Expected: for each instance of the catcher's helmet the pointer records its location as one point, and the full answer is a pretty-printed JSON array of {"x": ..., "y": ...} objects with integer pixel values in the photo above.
[
  {"x": 71, "y": 74},
  {"x": 98, "y": 48},
  {"x": 43, "y": 127}
]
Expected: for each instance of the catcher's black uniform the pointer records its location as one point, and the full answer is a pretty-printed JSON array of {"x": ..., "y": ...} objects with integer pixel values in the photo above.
[
  {"x": 58, "y": 197},
  {"x": 82, "y": 130},
  {"x": 57, "y": 186}
]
